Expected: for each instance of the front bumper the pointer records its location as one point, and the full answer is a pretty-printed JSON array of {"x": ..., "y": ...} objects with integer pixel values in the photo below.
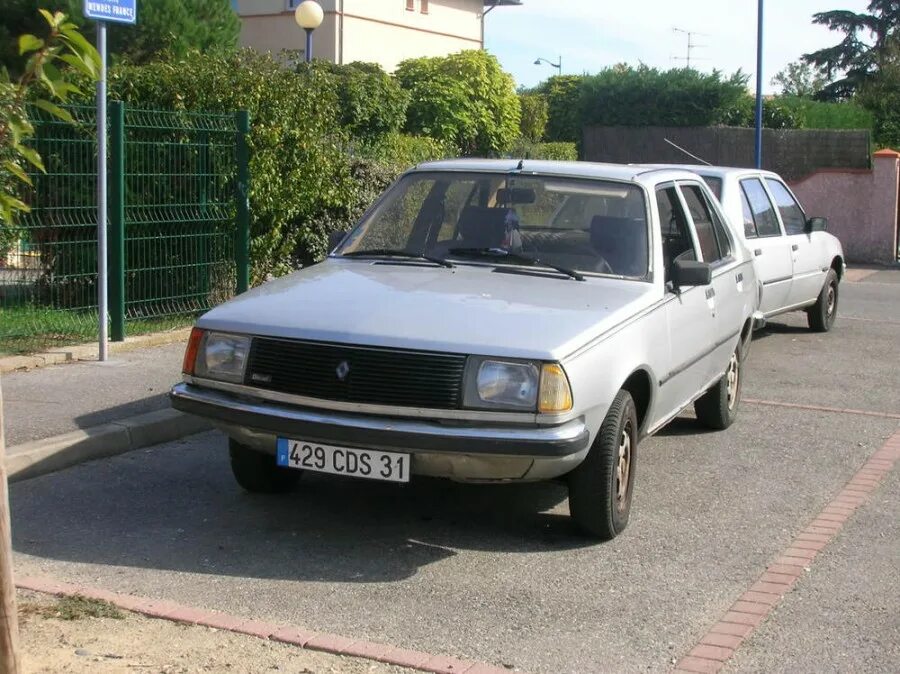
[{"x": 442, "y": 449}]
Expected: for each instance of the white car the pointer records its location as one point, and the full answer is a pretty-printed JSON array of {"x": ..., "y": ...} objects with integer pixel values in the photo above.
[
  {"x": 488, "y": 321},
  {"x": 798, "y": 263}
]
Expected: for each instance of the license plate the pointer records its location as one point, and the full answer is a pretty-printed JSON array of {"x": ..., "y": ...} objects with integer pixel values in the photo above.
[{"x": 365, "y": 463}]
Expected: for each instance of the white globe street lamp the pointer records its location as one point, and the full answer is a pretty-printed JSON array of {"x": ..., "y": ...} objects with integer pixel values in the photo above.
[{"x": 309, "y": 16}]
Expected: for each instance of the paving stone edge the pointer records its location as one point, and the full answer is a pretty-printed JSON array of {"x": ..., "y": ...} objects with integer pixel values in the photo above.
[{"x": 39, "y": 457}]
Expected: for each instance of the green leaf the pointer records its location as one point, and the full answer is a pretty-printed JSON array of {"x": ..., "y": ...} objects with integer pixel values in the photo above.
[
  {"x": 29, "y": 43},
  {"x": 82, "y": 66},
  {"x": 55, "y": 110},
  {"x": 32, "y": 157},
  {"x": 17, "y": 171},
  {"x": 47, "y": 15}
]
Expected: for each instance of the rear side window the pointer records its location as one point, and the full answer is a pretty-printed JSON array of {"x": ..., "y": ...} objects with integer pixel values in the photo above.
[
  {"x": 791, "y": 213},
  {"x": 762, "y": 210},
  {"x": 703, "y": 222},
  {"x": 714, "y": 185}
]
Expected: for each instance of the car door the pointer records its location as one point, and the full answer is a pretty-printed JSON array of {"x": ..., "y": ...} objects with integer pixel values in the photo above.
[
  {"x": 717, "y": 248},
  {"x": 808, "y": 264},
  {"x": 771, "y": 249},
  {"x": 690, "y": 319}
]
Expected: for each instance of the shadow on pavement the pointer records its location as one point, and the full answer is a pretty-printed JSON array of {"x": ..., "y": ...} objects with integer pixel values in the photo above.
[
  {"x": 176, "y": 507},
  {"x": 159, "y": 401}
]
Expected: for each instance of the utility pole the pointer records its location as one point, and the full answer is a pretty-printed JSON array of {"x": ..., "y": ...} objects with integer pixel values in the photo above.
[
  {"x": 691, "y": 46},
  {"x": 9, "y": 617}
]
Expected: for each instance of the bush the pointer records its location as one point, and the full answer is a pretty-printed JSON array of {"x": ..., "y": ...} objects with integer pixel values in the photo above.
[
  {"x": 535, "y": 113},
  {"x": 371, "y": 101},
  {"x": 820, "y": 115},
  {"x": 643, "y": 96},
  {"x": 563, "y": 93},
  {"x": 464, "y": 99},
  {"x": 525, "y": 149},
  {"x": 298, "y": 165},
  {"x": 400, "y": 151}
]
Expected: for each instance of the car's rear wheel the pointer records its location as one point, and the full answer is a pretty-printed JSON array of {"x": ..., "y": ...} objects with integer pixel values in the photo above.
[
  {"x": 600, "y": 488},
  {"x": 717, "y": 408},
  {"x": 821, "y": 315},
  {"x": 258, "y": 473}
]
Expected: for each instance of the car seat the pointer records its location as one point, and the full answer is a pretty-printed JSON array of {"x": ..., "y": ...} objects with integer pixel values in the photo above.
[
  {"x": 622, "y": 242},
  {"x": 482, "y": 227}
]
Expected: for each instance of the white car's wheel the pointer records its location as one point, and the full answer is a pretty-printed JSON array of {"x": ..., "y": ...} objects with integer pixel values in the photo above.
[{"x": 821, "y": 315}]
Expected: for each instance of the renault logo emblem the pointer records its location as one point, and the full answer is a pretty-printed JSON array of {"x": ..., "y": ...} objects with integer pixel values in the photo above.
[{"x": 343, "y": 369}]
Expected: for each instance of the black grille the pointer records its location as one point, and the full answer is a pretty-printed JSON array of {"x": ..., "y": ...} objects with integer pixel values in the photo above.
[{"x": 377, "y": 376}]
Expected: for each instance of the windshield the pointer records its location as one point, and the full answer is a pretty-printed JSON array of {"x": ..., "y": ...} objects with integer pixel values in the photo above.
[{"x": 592, "y": 226}]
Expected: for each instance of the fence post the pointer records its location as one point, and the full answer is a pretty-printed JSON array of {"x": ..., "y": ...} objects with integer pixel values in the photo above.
[
  {"x": 117, "y": 222},
  {"x": 242, "y": 244}
]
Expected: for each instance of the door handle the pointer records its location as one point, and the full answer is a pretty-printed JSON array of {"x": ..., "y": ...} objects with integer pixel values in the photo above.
[
  {"x": 757, "y": 252},
  {"x": 795, "y": 248}
]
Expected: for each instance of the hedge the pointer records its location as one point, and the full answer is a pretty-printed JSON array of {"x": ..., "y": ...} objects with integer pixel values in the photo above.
[{"x": 525, "y": 149}]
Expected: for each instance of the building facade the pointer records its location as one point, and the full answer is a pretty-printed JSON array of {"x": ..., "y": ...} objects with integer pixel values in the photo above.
[{"x": 378, "y": 31}]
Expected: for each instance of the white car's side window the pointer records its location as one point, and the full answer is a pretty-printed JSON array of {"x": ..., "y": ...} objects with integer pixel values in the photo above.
[
  {"x": 714, "y": 245},
  {"x": 677, "y": 241},
  {"x": 791, "y": 213}
]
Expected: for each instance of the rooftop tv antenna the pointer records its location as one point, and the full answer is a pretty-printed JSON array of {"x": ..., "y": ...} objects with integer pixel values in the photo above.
[{"x": 691, "y": 46}]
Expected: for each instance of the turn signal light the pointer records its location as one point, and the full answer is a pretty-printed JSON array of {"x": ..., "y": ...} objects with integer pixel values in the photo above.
[
  {"x": 555, "y": 393},
  {"x": 190, "y": 354}
]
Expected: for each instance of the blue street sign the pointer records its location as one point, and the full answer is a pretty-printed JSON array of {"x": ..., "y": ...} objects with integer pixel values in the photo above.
[{"x": 116, "y": 11}]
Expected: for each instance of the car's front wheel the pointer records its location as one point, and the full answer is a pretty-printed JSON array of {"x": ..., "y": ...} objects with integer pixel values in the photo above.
[
  {"x": 821, "y": 315},
  {"x": 717, "y": 408},
  {"x": 600, "y": 488},
  {"x": 258, "y": 473}
]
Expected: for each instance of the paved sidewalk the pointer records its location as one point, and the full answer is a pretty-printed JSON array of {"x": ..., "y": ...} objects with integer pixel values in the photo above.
[{"x": 50, "y": 401}]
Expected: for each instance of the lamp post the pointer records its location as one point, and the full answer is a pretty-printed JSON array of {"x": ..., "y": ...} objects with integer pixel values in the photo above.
[
  {"x": 309, "y": 16},
  {"x": 558, "y": 66},
  {"x": 759, "y": 98}
]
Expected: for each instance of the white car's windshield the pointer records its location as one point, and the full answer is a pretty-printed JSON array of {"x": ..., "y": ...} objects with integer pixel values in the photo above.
[{"x": 572, "y": 225}]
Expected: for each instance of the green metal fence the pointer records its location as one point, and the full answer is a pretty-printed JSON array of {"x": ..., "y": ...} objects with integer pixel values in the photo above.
[{"x": 178, "y": 226}]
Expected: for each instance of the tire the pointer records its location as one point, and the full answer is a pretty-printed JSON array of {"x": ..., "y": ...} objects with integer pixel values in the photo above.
[
  {"x": 717, "y": 408},
  {"x": 258, "y": 473},
  {"x": 821, "y": 315},
  {"x": 599, "y": 494}
]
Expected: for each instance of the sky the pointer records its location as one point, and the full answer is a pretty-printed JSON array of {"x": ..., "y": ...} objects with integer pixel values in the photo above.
[{"x": 590, "y": 35}]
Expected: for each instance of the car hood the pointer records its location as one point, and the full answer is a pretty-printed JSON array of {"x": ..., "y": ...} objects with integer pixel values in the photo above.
[{"x": 469, "y": 309}]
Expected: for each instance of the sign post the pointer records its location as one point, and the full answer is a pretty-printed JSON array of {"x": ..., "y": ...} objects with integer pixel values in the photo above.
[{"x": 104, "y": 11}]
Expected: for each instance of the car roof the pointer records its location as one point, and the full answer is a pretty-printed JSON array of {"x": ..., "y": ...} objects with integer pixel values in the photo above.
[
  {"x": 715, "y": 171},
  {"x": 572, "y": 169}
]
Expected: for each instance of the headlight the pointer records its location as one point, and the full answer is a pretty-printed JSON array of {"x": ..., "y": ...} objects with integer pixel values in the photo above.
[
  {"x": 222, "y": 356},
  {"x": 507, "y": 384},
  {"x": 516, "y": 386}
]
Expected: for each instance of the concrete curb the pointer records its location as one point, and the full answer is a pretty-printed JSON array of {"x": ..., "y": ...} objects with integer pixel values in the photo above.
[
  {"x": 71, "y": 354},
  {"x": 49, "y": 455},
  {"x": 302, "y": 638}
]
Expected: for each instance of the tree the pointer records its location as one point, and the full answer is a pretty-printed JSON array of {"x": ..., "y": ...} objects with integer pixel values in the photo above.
[
  {"x": 535, "y": 114},
  {"x": 881, "y": 96},
  {"x": 174, "y": 26},
  {"x": 42, "y": 74},
  {"x": 858, "y": 59},
  {"x": 800, "y": 79},
  {"x": 465, "y": 99}
]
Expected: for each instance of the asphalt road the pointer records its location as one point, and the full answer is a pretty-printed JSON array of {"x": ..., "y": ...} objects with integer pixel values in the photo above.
[{"x": 497, "y": 573}]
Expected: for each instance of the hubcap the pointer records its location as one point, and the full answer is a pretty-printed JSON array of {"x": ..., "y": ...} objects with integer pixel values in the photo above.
[
  {"x": 832, "y": 300},
  {"x": 623, "y": 467},
  {"x": 733, "y": 375}
]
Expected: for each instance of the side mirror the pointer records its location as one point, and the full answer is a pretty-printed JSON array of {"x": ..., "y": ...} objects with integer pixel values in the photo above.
[
  {"x": 816, "y": 225},
  {"x": 335, "y": 239},
  {"x": 686, "y": 273}
]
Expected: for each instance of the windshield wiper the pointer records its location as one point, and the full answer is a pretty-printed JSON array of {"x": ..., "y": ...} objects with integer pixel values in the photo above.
[
  {"x": 518, "y": 257},
  {"x": 391, "y": 252}
]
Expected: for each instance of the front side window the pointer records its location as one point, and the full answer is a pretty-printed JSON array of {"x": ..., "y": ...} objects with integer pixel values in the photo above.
[
  {"x": 676, "y": 236},
  {"x": 791, "y": 214},
  {"x": 589, "y": 226},
  {"x": 749, "y": 223},
  {"x": 763, "y": 212},
  {"x": 703, "y": 222}
]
